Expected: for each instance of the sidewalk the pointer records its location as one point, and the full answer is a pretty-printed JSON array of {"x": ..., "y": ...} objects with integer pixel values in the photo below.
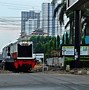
[{"x": 73, "y": 71}]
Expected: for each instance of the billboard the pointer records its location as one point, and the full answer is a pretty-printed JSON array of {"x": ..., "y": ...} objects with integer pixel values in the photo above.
[
  {"x": 38, "y": 55},
  {"x": 69, "y": 50},
  {"x": 84, "y": 50},
  {"x": 70, "y": 3}
]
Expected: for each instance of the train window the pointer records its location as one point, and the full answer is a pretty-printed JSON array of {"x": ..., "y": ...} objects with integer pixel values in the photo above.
[
  {"x": 24, "y": 51},
  {"x": 8, "y": 51}
]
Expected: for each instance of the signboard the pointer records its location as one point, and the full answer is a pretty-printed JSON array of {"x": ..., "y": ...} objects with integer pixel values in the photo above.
[
  {"x": 70, "y": 3},
  {"x": 69, "y": 50},
  {"x": 38, "y": 55},
  {"x": 84, "y": 50}
]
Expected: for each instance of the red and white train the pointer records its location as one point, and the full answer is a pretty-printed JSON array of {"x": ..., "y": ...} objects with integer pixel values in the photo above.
[{"x": 19, "y": 56}]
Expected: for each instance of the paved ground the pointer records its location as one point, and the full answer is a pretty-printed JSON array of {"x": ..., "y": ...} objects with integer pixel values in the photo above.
[{"x": 43, "y": 81}]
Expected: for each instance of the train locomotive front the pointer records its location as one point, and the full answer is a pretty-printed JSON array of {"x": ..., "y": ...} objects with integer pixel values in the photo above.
[{"x": 19, "y": 56}]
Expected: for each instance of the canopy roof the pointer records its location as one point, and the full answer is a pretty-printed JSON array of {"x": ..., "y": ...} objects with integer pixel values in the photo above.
[{"x": 80, "y": 4}]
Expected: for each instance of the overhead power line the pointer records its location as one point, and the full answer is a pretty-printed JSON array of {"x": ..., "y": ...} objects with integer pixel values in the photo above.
[{"x": 13, "y": 5}]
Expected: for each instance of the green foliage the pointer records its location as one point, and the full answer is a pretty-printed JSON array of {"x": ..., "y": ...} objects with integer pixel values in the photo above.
[
  {"x": 62, "y": 7},
  {"x": 79, "y": 64},
  {"x": 83, "y": 40},
  {"x": 69, "y": 58},
  {"x": 58, "y": 42},
  {"x": 46, "y": 45},
  {"x": 63, "y": 40},
  {"x": 67, "y": 38}
]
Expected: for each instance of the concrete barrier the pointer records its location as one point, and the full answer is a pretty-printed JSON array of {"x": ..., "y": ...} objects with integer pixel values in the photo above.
[
  {"x": 82, "y": 72},
  {"x": 67, "y": 68},
  {"x": 87, "y": 72}
]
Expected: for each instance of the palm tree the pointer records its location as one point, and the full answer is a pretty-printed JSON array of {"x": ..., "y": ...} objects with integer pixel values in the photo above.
[
  {"x": 85, "y": 24},
  {"x": 71, "y": 23},
  {"x": 62, "y": 8},
  {"x": 60, "y": 15}
]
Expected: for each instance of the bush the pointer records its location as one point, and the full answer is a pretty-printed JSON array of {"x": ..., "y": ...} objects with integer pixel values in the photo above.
[{"x": 77, "y": 64}]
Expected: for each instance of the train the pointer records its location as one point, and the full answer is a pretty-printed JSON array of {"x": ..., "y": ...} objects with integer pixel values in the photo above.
[{"x": 18, "y": 56}]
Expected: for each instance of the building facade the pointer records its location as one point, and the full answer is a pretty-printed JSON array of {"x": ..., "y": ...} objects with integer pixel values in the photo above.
[
  {"x": 30, "y": 26},
  {"x": 48, "y": 22},
  {"x": 44, "y": 20},
  {"x": 25, "y": 16}
]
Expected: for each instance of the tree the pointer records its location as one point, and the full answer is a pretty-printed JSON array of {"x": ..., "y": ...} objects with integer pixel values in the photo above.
[
  {"x": 43, "y": 44},
  {"x": 58, "y": 42},
  {"x": 67, "y": 38},
  {"x": 63, "y": 40},
  {"x": 83, "y": 40},
  {"x": 71, "y": 24},
  {"x": 39, "y": 48},
  {"x": 62, "y": 7},
  {"x": 85, "y": 24}
]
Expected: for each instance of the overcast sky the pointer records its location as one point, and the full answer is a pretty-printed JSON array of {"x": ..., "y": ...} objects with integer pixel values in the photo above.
[{"x": 10, "y": 13}]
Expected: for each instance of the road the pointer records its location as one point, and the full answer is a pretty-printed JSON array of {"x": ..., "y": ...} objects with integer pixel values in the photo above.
[{"x": 43, "y": 81}]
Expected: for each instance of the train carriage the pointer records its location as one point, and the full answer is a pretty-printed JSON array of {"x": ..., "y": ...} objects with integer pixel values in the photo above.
[{"x": 19, "y": 56}]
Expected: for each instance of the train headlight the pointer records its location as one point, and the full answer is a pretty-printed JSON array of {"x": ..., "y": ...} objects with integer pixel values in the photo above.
[{"x": 24, "y": 43}]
